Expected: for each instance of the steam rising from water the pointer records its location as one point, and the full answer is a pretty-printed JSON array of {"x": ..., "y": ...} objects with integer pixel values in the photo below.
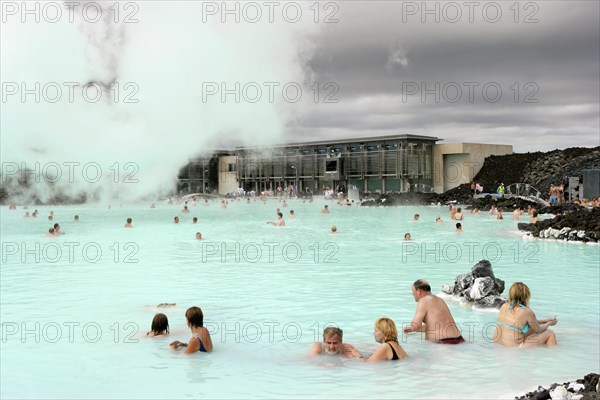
[{"x": 162, "y": 61}]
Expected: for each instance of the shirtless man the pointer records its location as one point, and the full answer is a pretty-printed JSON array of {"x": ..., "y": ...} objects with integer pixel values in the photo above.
[
  {"x": 279, "y": 222},
  {"x": 516, "y": 215},
  {"x": 332, "y": 344},
  {"x": 433, "y": 316},
  {"x": 128, "y": 223},
  {"x": 325, "y": 210},
  {"x": 452, "y": 211}
]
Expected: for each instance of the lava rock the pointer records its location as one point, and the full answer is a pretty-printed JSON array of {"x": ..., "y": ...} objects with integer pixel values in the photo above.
[{"x": 483, "y": 269}]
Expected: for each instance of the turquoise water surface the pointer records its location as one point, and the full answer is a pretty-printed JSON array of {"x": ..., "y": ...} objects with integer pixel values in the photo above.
[{"x": 75, "y": 309}]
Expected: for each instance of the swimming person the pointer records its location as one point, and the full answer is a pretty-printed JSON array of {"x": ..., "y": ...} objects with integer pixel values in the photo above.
[
  {"x": 195, "y": 220},
  {"x": 458, "y": 227},
  {"x": 160, "y": 326},
  {"x": 199, "y": 236},
  {"x": 57, "y": 230},
  {"x": 176, "y": 220},
  {"x": 325, "y": 210},
  {"x": 385, "y": 332},
  {"x": 407, "y": 236},
  {"x": 334, "y": 229},
  {"x": 433, "y": 316},
  {"x": 332, "y": 344},
  {"x": 201, "y": 340},
  {"x": 517, "y": 324},
  {"x": 128, "y": 223},
  {"x": 279, "y": 222}
]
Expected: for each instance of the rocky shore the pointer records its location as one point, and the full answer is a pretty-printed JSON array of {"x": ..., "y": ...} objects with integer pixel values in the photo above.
[
  {"x": 581, "y": 225},
  {"x": 585, "y": 388},
  {"x": 536, "y": 169}
]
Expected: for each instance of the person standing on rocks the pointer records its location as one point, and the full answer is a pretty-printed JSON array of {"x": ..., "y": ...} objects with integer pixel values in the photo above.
[
  {"x": 433, "y": 316},
  {"x": 517, "y": 324}
]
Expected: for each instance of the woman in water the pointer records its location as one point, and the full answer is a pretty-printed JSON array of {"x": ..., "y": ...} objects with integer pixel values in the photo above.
[
  {"x": 160, "y": 326},
  {"x": 200, "y": 341},
  {"x": 517, "y": 324},
  {"x": 385, "y": 332}
]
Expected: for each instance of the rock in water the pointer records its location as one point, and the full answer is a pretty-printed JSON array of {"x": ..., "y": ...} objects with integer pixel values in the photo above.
[
  {"x": 448, "y": 289},
  {"x": 499, "y": 286},
  {"x": 490, "y": 302},
  {"x": 463, "y": 281},
  {"x": 559, "y": 393},
  {"x": 482, "y": 269},
  {"x": 481, "y": 288}
]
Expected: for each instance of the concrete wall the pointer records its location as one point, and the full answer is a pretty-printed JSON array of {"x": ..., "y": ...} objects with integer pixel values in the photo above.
[
  {"x": 227, "y": 180},
  {"x": 458, "y": 163}
]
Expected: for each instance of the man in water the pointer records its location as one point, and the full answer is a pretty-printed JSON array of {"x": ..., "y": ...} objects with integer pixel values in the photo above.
[
  {"x": 199, "y": 236},
  {"x": 128, "y": 223},
  {"x": 332, "y": 344},
  {"x": 407, "y": 236},
  {"x": 458, "y": 227},
  {"x": 334, "y": 229},
  {"x": 279, "y": 222},
  {"x": 433, "y": 316},
  {"x": 176, "y": 220},
  {"x": 195, "y": 220},
  {"x": 325, "y": 210}
]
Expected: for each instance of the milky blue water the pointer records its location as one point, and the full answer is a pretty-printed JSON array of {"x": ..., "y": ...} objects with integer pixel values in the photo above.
[{"x": 75, "y": 309}]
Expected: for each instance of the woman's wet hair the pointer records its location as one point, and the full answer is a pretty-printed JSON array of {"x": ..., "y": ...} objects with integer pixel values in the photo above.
[
  {"x": 160, "y": 324},
  {"x": 422, "y": 284},
  {"x": 387, "y": 327},
  {"x": 519, "y": 293},
  {"x": 195, "y": 317}
]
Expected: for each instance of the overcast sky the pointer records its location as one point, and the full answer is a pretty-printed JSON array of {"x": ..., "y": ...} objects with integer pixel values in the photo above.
[{"x": 507, "y": 72}]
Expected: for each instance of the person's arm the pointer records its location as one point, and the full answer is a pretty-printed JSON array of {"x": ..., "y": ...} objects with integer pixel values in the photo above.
[
  {"x": 192, "y": 346},
  {"x": 379, "y": 355},
  {"x": 417, "y": 324},
  {"x": 536, "y": 326},
  {"x": 315, "y": 349},
  {"x": 176, "y": 344}
]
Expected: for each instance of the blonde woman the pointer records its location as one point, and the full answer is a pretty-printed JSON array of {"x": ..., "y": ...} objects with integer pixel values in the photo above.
[
  {"x": 385, "y": 332},
  {"x": 517, "y": 324}
]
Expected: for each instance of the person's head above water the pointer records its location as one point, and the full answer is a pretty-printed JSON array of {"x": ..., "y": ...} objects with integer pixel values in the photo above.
[
  {"x": 385, "y": 330},
  {"x": 420, "y": 289},
  {"x": 194, "y": 317},
  {"x": 519, "y": 293},
  {"x": 160, "y": 324},
  {"x": 198, "y": 236},
  {"x": 332, "y": 340}
]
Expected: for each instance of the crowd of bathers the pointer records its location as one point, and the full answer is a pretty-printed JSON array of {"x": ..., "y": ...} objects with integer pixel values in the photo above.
[{"x": 516, "y": 326}]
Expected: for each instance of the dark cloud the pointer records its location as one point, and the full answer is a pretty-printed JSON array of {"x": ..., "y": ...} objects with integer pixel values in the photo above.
[{"x": 373, "y": 55}]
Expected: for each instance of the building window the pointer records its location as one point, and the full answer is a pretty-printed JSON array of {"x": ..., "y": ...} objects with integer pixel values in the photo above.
[{"x": 231, "y": 167}]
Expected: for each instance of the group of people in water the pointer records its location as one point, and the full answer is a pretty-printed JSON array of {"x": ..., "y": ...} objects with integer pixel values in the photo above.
[{"x": 516, "y": 326}]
